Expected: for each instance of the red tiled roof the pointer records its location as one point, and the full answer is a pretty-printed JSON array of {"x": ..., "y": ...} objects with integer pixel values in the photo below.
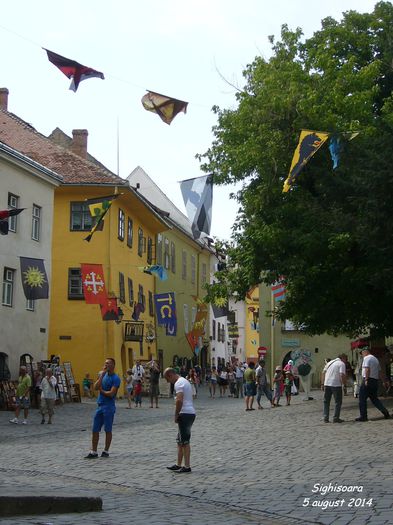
[{"x": 21, "y": 136}]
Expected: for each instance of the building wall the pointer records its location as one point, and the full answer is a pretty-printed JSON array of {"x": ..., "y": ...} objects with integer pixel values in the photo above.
[
  {"x": 23, "y": 331},
  {"x": 89, "y": 339},
  {"x": 252, "y": 324},
  {"x": 280, "y": 340}
]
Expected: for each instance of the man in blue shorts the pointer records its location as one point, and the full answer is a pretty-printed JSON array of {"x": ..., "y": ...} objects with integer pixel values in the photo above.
[{"x": 108, "y": 384}]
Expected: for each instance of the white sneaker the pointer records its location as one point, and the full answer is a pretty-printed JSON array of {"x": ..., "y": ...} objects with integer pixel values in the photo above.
[
  {"x": 14, "y": 420},
  {"x": 24, "y": 422}
]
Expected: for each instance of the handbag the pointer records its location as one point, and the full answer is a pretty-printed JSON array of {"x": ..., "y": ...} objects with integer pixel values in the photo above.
[{"x": 293, "y": 389}]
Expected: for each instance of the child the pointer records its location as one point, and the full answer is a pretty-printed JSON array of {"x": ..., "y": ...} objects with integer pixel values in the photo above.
[
  {"x": 278, "y": 382},
  {"x": 138, "y": 393},
  {"x": 288, "y": 386},
  {"x": 129, "y": 386}
]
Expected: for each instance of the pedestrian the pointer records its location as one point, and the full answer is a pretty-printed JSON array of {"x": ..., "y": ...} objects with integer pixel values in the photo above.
[
  {"x": 262, "y": 384},
  {"x": 37, "y": 378},
  {"x": 213, "y": 381},
  {"x": 184, "y": 417},
  {"x": 231, "y": 382},
  {"x": 107, "y": 384},
  {"x": 183, "y": 371},
  {"x": 250, "y": 386},
  {"x": 239, "y": 372},
  {"x": 138, "y": 372},
  {"x": 138, "y": 394},
  {"x": 129, "y": 386},
  {"x": 192, "y": 378},
  {"x": 371, "y": 372},
  {"x": 22, "y": 399},
  {"x": 48, "y": 395},
  {"x": 86, "y": 384},
  {"x": 278, "y": 381},
  {"x": 288, "y": 382},
  {"x": 154, "y": 389},
  {"x": 223, "y": 382},
  {"x": 333, "y": 380}
]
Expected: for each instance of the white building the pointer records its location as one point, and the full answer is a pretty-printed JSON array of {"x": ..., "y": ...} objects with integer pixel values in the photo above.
[{"x": 24, "y": 324}]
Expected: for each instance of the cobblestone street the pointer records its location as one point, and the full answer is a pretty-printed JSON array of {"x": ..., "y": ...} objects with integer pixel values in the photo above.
[{"x": 248, "y": 467}]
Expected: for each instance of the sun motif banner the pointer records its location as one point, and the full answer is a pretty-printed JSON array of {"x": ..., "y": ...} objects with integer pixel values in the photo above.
[{"x": 34, "y": 279}]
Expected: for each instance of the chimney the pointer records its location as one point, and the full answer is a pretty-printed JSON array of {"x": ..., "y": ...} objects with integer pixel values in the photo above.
[
  {"x": 79, "y": 142},
  {"x": 4, "y": 99}
]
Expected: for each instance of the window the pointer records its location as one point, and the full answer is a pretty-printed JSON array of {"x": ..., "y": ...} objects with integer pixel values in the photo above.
[
  {"x": 214, "y": 330},
  {"x": 122, "y": 290},
  {"x": 151, "y": 311},
  {"x": 159, "y": 249},
  {"x": 173, "y": 257},
  {"x": 8, "y": 286},
  {"x": 81, "y": 220},
  {"x": 141, "y": 297},
  {"x": 204, "y": 274},
  {"x": 130, "y": 232},
  {"x": 149, "y": 250},
  {"x": 184, "y": 264},
  {"x": 140, "y": 242},
  {"x": 75, "y": 290},
  {"x": 13, "y": 202},
  {"x": 130, "y": 292},
  {"x": 193, "y": 269},
  {"x": 166, "y": 254},
  {"x": 36, "y": 223},
  {"x": 120, "y": 226},
  {"x": 30, "y": 305},
  {"x": 218, "y": 332}
]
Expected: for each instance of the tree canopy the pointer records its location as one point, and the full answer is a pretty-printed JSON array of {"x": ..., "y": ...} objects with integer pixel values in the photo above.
[{"x": 331, "y": 235}]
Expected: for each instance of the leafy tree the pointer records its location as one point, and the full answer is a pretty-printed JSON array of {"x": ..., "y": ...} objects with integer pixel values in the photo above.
[{"x": 331, "y": 235}]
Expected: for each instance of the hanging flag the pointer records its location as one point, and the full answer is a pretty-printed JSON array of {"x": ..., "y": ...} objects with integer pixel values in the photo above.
[
  {"x": 220, "y": 307},
  {"x": 165, "y": 306},
  {"x": 155, "y": 269},
  {"x": 34, "y": 279},
  {"x": 109, "y": 309},
  {"x": 233, "y": 330},
  {"x": 279, "y": 290},
  {"x": 336, "y": 145},
  {"x": 165, "y": 107},
  {"x": 138, "y": 310},
  {"x": 4, "y": 216},
  {"x": 198, "y": 199},
  {"x": 98, "y": 208},
  {"x": 72, "y": 69},
  {"x": 199, "y": 324},
  {"x": 93, "y": 283},
  {"x": 309, "y": 143}
]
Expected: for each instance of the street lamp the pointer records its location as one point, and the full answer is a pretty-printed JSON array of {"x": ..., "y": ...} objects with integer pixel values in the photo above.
[{"x": 120, "y": 315}]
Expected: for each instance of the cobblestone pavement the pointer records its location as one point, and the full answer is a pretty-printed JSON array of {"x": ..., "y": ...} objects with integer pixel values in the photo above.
[{"x": 248, "y": 467}]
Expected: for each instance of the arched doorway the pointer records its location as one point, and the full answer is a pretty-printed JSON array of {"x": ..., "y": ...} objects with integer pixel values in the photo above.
[{"x": 5, "y": 374}]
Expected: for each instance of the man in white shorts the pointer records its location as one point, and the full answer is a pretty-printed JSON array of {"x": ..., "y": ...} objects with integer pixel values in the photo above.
[{"x": 184, "y": 417}]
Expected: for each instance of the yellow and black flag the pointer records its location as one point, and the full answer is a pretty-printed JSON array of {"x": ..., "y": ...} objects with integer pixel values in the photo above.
[
  {"x": 98, "y": 208},
  {"x": 165, "y": 107},
  {"x": 309, "y": 143}
]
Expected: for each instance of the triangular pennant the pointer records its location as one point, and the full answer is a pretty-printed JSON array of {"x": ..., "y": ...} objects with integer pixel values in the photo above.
[{"x": 165, "y": 107}]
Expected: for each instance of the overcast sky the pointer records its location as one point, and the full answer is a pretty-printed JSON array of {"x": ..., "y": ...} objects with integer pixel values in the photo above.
[{"x": 180, "y": 48}]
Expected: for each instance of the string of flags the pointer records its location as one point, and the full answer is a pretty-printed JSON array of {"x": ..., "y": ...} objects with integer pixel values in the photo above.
[
  {"x": 4, "y": 216},
  {"x": 309, "y": 143}
]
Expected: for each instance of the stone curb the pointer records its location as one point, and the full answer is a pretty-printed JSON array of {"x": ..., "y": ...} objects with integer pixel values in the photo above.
[{"x": 28, "y": 505}]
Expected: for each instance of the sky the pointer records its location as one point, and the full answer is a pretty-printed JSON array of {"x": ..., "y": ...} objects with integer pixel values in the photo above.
[{"x": 187, "y": 49}]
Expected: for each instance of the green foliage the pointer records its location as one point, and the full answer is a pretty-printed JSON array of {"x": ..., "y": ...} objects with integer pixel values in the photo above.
[{"x": 331, "y": 236}]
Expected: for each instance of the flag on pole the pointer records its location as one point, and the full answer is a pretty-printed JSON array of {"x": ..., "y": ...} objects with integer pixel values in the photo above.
[
  {"x": 279, "y": 290},
  {"x": 4, "y": 216},
  {"x": 34, "y": 279},
  {"x": 309, "y": 143},
  {"x": 98, "y": 208},
  {"x": 198, "y": 199},
  {"x": 336, "y": 145},
  {"x": 109, "y": 309},
  {"x": 72, "y": 69},
  {"x": 93, "y": 283},
  {"x": 165, "y": 107}
]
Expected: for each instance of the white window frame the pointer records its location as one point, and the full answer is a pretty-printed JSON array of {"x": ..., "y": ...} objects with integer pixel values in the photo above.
[
  {"x": 121, "y": 225},
  {"x": 8, "y": 287},
  {"x": 30, "y": 305},
  {"x": 184, "y": 264},
  {"x": 13, "y": 203},
  {"x": 36, "y": 223},
  {"x": 193, "y": 269}
]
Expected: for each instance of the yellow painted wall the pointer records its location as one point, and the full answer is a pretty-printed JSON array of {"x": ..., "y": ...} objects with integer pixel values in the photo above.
[
  {"x": 92, "y": 339},
  {"x": 251, "y": 343}
]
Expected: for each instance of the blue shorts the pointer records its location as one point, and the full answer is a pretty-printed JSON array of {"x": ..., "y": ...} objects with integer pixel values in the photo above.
[
  {"x": 104, "y": 417},
  {"x": 23, "y": 402},
  {"x": 250, "y": 389}
]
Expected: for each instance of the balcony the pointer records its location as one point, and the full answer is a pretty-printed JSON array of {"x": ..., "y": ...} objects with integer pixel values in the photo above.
[{"x": 133, "y": 331}]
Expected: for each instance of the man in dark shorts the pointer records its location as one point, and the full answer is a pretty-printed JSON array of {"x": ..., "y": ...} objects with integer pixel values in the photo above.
[
  {"x": 184, "y": 417},
  {"x": 108, "y": 384}
]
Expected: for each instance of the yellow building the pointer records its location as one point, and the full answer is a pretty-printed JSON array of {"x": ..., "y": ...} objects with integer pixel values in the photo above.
[{"x": 252, "y": 326}]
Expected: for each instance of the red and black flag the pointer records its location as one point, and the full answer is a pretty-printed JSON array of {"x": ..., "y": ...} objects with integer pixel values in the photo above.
[
  {"x": 110, "y": 310},
  {"x": 165, "y": 107},
  {"x": 34, "y": 278},
  {"x": 4, "y": 215},
  {"x": 72, "y": 69}
]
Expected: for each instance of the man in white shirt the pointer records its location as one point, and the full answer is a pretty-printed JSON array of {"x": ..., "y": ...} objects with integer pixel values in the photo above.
[
  {"x": 137, "y": 373},
  {"x": 48, "y": 395},
  {"x": 184, "y": 417},
  {"x": 333, "y": 379},
  {"x": 371, "y": 372},
  {"x": 239, "y": 371}
]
